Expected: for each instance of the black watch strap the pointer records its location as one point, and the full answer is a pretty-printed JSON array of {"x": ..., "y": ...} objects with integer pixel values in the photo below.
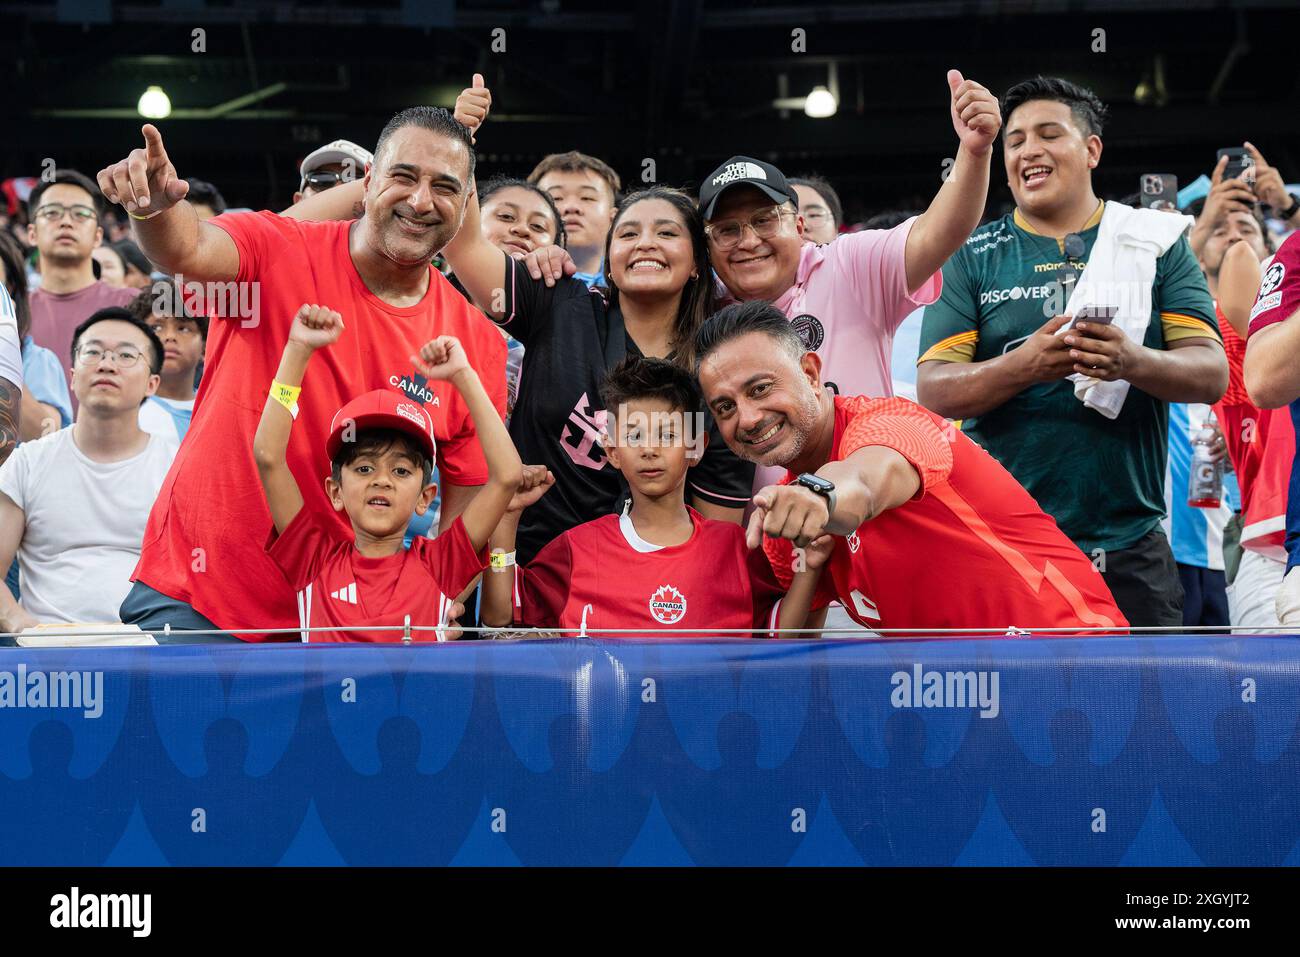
[{"x": 1291, "y": 210}]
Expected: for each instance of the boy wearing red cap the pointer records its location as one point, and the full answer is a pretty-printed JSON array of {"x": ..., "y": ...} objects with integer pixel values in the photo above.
[{"x": 381, "y": 448}]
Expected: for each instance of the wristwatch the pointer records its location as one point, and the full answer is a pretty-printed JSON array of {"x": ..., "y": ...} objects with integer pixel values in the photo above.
[
  {"x": 1286, "y": 214},
  {"x": 820, "y": 486}
]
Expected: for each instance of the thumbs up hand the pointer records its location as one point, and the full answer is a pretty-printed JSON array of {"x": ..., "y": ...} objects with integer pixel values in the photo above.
[
  {"x": 472, "y": 106},
  {"x": 975, "y": 113}
]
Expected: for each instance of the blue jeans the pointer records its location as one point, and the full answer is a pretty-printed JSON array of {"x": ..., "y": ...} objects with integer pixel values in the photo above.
[{"x": 152, "y": 611}]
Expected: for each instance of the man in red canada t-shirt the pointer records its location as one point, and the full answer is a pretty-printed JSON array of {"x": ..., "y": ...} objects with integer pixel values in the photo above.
[
  {"x": 928, "y": 530},
  {"x": 202, "y": 563}
]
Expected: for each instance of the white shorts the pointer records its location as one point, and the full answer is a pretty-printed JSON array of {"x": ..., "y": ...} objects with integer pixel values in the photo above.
[
  {"x": 1252, "y": 597},
  {"x": 1288, "y": 599},
  {"x": 837, "y": 617}
]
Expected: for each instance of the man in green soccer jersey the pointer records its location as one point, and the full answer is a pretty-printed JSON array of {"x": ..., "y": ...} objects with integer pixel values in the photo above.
[{"x": 990, "y": 354}]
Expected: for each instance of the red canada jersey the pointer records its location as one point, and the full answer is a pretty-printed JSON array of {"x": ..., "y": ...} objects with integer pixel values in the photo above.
[
  {"x": 339, "y": 587},
  {"x": 203, "y": 543},
  {"x": 1261, "y": 445},
  {"x": 971, "y": 550},
  {"x": 596, "y": 576}
]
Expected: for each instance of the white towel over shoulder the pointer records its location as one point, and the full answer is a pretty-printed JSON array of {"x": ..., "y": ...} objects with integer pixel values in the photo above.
[{"x": 1120, "y": 272}]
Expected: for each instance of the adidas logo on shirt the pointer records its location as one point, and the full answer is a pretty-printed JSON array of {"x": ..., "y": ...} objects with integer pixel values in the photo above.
[{"x": 347, "y": 593}]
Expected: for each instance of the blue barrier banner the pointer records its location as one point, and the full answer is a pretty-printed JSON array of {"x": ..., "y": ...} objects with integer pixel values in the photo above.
[{"x": 1101, "y": 751}]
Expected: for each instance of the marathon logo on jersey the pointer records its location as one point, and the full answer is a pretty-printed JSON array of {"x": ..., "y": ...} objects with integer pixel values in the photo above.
[
  {"x": 1269, "y": 297},
  {"x": 83, "y": 690},
  {"x": 946, "y": 689},
  {"x": 414, "y": 413},
  {"x": 130, "y": 911},
  {"x": 416, "y": 387},
  {"x": 667, "y": 605},
  {"x": 737, "y": 171}
]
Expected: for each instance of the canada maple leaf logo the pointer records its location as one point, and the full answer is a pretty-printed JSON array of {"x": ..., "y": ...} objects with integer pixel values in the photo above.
[{"x": 667, "y": 605}]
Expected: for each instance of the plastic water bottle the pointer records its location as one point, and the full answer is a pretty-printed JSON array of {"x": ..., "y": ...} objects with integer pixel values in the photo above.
[
  {"x": 1205, "y": 485},
  {"x": 514, "y": 371}
]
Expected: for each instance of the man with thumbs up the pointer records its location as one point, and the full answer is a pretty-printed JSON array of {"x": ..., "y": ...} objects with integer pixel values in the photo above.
[
  {"x": 999, "y": 346},
  {"x": 847, "y": 298}
]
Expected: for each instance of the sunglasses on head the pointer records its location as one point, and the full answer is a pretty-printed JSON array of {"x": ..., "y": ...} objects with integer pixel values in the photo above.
[{"x": 322, "y": 179}]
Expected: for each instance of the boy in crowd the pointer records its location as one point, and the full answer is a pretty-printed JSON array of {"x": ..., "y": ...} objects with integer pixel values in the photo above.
[
  {"x": 585, "y": 190},
  {"x": 381, "y": 447},
  {"x": 660, "y": 565},
  {"x": 183, "y": 335}
]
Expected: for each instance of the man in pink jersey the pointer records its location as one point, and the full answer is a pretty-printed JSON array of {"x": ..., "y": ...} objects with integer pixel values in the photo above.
[
  {"x": 202, "y": 563},
  {"x": 847, "y": 298},
  {"x": 929, "y": 531}
]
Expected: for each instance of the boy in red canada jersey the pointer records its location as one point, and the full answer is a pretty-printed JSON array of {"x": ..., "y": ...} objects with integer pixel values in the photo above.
[
  {"x": 660, "y": 568},
  {"x": 381, "y": 448}
]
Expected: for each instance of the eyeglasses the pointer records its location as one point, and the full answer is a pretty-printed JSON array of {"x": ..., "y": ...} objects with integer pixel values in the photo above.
[
  {"x": 125, "y": 358},
  {"x": 185, "y": 331},
  {"x": 53, "y": 212},
  {"x": 765, "y": 223}
]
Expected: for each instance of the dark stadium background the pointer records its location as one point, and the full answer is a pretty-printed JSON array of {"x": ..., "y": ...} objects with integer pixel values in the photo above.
[{"x": 685, "y": 82}]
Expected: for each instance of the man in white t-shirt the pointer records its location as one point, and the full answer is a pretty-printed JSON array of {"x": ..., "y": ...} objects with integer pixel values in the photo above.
[
  {"x": 73, "y": 504},
  {"x": 183, "y": 333}
]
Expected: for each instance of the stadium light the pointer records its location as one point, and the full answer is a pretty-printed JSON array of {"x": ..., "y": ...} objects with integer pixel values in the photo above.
[
  {"x": 154, "y": 104},
  {"x": 820, "y": 103}
]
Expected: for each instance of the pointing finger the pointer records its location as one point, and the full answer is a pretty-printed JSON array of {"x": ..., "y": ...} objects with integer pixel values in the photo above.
[{"x": 754, "y": 532}]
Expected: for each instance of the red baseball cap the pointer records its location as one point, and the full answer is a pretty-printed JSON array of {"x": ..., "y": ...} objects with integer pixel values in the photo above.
[{"x": 382, "y": 409}]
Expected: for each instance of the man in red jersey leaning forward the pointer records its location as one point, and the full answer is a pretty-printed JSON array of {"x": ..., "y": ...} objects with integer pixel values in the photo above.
[
  {"x": 202, "y": 564},
  {"x": 928, "y": 531}
]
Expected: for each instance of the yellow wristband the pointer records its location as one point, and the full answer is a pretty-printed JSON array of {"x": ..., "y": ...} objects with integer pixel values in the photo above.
[
  {"x": 157, "y": 212},
  {"x": 502, "y": 559},
  {"x": 287, "y": 396}
]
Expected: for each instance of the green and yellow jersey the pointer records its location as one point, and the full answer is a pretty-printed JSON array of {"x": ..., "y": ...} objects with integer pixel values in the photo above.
[{"x": 1101, "y": 479}]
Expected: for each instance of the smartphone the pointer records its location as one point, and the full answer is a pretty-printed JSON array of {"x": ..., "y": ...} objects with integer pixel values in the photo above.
[
  {"x": 1239, "y": 161},
  {"x": 1159, "y": 191},
  {"x": 1103, "y": 315}
]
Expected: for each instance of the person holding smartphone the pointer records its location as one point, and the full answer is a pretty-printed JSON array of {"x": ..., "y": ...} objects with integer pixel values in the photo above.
[{"x": 995, "y": 352}]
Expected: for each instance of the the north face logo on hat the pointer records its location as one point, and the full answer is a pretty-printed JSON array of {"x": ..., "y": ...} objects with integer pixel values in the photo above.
[{"x": 737, "y": 171}]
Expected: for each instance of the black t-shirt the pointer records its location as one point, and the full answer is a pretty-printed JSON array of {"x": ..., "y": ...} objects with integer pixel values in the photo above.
[{"x": 572, "y": 338}]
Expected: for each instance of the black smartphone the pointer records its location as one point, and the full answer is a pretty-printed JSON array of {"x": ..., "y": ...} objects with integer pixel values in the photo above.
[
  {"x": 1159, "y": 191},
  {"x": 1102, "y": 315},
  {"x": 1238, "y": 162}
]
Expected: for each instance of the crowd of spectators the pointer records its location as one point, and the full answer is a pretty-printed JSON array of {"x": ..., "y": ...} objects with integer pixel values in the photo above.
[{"x": 760, "y": 415}]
